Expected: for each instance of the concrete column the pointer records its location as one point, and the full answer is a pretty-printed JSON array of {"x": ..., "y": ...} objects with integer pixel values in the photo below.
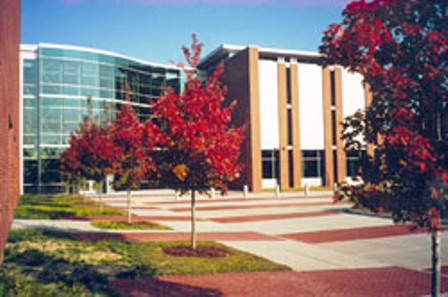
[
  {"x": 283, "y": 126},
  {"x": 296, "y": 151},
  {"x": 328, "y": 173},
  {"x": 341, "y": 158}
]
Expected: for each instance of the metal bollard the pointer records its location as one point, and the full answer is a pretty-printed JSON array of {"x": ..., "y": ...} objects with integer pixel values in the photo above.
[
  {"x": 277, "y": 191},
  {"x": 307, "y": 190},
  {"x": 245, "y": 191}
]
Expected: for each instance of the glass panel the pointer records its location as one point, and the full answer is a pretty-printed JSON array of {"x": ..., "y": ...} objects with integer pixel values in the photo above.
[
  {"x": 50, "y": 65},
  {"x": 30, "y": 121},
  {"x": 72, "y": 115},
  {"x": 50, "y": 139},
  {"x": 29, "y": 102},
  {"x": 267, "y": 169},
  {"x": 29, "y": 71},
  {"x": 51, "y": 102},
  {"x": 71, "y": 79},
  {"x": 310, "y": 154},
  {"x": 72, "y": 102},
  {"x": 106, "y": 59},
  {"x": 51, "y": 52},
  {"x": 29, "y": 139},
  {"x": 71, "y": 67},
  {"x": 51, "y": 127},
  {"x": 51, "y": 152},
  {"x": 52, "y": 77},
  {"x": 51, "y": 89},
  {"x": 90, "y": 81},
  {"x": 107, "y": 82},
  {"x": 70, "y": 90},
  {"x": 90, "y": 92},
  {"x": 106, "y": 71},
  {"x": 107, "y": 94},
  {"x": 29, "y": 90},
  {"x": 70, "y": 128},
  {"x": 51, "y": 115},
  {"x": 30, "y": 153},
  {"x": 310, "y": 169},
  {"x": 30, "y": 171},
  {"x": 90, "y": 69}
]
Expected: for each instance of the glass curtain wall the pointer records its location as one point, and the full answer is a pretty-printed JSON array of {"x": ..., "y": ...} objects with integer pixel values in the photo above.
[{"x": 57, "y": 86}]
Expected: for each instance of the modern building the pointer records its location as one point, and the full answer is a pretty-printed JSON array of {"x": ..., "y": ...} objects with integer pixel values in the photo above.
[
  {"x": 292, "y": 108},
  {"x": 9, "y": 114},
  {"x": 58, "y": 82}
]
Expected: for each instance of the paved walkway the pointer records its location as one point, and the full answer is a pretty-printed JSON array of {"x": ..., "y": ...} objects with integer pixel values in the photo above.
[{"x": 331, "y": 252}]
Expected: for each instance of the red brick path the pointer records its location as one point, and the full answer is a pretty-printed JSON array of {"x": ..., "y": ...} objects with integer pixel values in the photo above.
[
  {"x": 255, "y": 218},
  {"x": 353, "y": 233},
  {"x": 389, "y": 281},
  {"x": 136, "y": 218},
  {"x": 231, "y": 207},
  {"x": 175, "y": 236}
]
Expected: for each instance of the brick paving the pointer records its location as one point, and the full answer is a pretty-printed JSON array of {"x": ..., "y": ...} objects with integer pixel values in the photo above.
[
  {"x": 137, "y": 218},
  {"x": 388, "y": 281},
  {"x": 353, "y": 234},
  {"x": 265, "y": 217},
  {"x": 174, "y": 236},
  {"x": 274, "y": 205}
]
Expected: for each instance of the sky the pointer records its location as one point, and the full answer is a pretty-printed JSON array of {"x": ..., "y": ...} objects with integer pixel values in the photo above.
[{"x": 155, "y": 30}]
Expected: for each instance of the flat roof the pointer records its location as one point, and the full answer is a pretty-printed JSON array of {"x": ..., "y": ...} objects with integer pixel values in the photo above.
[
  {"x": 34, "y": 47},
  {"x": 265, "y": 52}
]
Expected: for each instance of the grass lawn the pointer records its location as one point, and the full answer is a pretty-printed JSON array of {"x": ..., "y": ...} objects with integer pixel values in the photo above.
[
  {"x": 44, "y": 263},
  {"x": 53, "y": 207},
  {"x": 123, "y": 225}
]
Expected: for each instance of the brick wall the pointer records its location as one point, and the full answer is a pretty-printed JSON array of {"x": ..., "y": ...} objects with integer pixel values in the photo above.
[
  {"x": 241, "y": 77},
  {"x": 9, "y": 114}
]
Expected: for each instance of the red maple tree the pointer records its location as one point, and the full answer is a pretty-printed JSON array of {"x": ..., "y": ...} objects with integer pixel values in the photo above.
[
  {"x": 400, "y": 47},
  {"x": 91, "y": 154},
  {"x": 132, "y": 145},
  {"x": 199, "y": 147}
]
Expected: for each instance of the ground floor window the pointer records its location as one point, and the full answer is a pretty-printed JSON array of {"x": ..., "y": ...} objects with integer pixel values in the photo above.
[
  {"x": 270, "y": 159},
  {"x": 312, "y": 163}
]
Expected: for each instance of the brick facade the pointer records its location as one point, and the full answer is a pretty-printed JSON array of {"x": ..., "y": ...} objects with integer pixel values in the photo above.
[{"x": 9, "y": 114}]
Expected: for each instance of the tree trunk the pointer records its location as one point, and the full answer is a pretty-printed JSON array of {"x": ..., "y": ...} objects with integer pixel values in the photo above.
[
  {"x": 129, "y": 206},
  {"x": 85, "y": 192},
  {"x": 193, "y": 219},
  {"x": 436, "y": 265},
  {"x": 100, "y": 193}
]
